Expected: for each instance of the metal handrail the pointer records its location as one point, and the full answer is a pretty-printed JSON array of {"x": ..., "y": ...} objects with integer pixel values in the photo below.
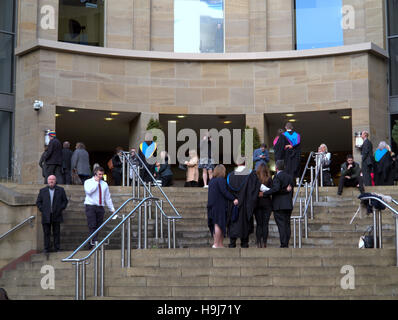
[
  {"x": 302, "y": 177},
  {"x": 69, "y": 258},
  {"x": 127, "y": 158},
  {"x": 395, "y": 212},
  {"x": 308, "y": 202},
  {"x": 19, "y": 225}
]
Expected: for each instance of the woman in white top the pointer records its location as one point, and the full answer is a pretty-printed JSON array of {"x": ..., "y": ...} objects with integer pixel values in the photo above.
[{"x": 326, "y": 161}]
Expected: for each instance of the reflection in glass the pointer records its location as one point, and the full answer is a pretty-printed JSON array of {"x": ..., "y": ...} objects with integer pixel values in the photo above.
[
  {"x": 198, "y": 26},
  {"x": 392, "y": 17},
  {"x": 318, "y": 24},
  {"x": 6, "y": 15},
  {"x": 6, "y": 65},
  {"x": 393, "y": 43},
  {"x": 5, "y": 144},
  {"x": 81, "y": 22}
]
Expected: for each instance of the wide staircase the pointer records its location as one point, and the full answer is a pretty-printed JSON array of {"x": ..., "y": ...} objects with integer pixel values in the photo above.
[{"x": 196, "y": 271}]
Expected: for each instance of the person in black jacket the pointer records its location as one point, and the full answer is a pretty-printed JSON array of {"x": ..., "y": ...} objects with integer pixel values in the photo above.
[
  {"x": 367, "y": 158},
  {"x": 53, "y": 158},
  {"x": 67, "y": 163},
  {"x": 217, "y": 205},
  {"x": 264, "y": 206},
  {"x": 51, "y": 201},
  {"x": 117, "y": 170},
  {"x": 282, "y": 201}
]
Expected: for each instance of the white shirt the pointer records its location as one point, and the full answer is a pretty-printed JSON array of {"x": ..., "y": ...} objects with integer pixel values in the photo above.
[{"x": 92, "y": 193}]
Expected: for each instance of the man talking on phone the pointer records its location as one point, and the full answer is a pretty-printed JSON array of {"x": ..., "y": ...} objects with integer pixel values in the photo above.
[{"x": 97, "y": 195}]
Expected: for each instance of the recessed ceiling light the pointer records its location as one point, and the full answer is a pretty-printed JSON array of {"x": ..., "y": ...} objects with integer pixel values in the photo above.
[
  {"x": 227, "y": 122},
  {"x": 109, "y": 119},
  {"x": 181, "y": 117},
  {"x": 345, "y": 117},
  {"x": 72, "y": 110},
  {"x": 114, "y": 113},
  {"x": 57, "y": 115},
  {"x": 292, "y": 120},
  {"x": 290, "y": 115},
  {"x": 172, "y": 121}
]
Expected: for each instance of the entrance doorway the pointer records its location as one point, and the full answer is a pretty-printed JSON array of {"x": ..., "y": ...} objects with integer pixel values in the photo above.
[{"x": 101, "y": 131}]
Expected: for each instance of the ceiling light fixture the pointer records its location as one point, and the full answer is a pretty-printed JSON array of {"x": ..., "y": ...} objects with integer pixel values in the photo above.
[
  {"x": 172, "y": 121},
  {"x": 290, "y": 115},
  {"x": 72, "y": 110},
  {"x": 345, "y": 117},
  {"x": 57, "y": 115},
  {"x": 109, "y": 119},
  {"x": 227, "y": 122},
  {"x": 181, "y": 117},
  {"x": 114, "y": 113},
  {"x": 292, "y": 120}
]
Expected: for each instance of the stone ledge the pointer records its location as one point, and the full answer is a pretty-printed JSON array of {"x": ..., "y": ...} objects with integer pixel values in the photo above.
[{"x": 176, "y": 56}]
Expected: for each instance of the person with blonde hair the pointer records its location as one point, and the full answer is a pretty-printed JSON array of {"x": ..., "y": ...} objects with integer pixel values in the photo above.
[
  {"x": 192, "y": 169},
  {"x": 217, "y": 205},
  {"x": 325, "y": 159}
]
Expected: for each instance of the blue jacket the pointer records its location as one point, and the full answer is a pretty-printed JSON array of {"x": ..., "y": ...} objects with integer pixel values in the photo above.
[{"x": 256, "y": 157}]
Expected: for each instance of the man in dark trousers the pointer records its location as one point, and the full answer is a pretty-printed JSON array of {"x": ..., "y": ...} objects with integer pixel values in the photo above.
[
  {"x": 350, "y": 175},
  {"x": 292, "y": 151},
  {"x": 282, "y": 203},
  {"x": 367, "y": 158},
  {"x": 67, "y": 163},
  {"x": 53, "y": 157},
  {"x": 51, "y": 201}
]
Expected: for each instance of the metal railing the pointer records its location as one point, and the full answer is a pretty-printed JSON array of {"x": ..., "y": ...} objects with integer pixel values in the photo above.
[
  {"x": 147, "y": 200},
  {"x": 307, "y": 202},
  {"x": 377, "y": 223},
  {"x": 19, "y": 225}
]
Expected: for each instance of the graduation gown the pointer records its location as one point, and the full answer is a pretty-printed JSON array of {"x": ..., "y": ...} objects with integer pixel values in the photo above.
[
  {"x": 279, "y": 147},
  {"x": 383, "y": 168},
  {"x": 245, "y": 187},
  {"x": 147, "y": 150},
  {"x": 293, "y": 156}
]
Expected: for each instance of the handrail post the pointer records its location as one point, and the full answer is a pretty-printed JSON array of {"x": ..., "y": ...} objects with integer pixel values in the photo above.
[
  {"x": 83, "y": 280},
  {"x": 145, "y": 220},
  {"x": 122, "y": 244},
  {"x": 129, "y": 242},
  {"x": 161, "y": 220},
  {"x": 156, "y": 221},
  {"x": 133, "y": 182},
  {"x": 123, "y": 171},
  {"x": 139, "y": 228},
  {"x": 128, "y": 173},
  {"x": 299, "y": 232},
  {"x": 312, "y": 207},
  {"x": 168, "y": 233},
  {"x": 312, "y": 174},
  {"x": 396, "y": 239},
  {"x": 150, "y": 202},
  {"x": 77, "y": 281},
  {"x": 95, "y": 266},
  {"x": 174, "y": 233},
  {"x": 374, "y": 229},
  {"x": 380, "y": 230},
  {"x": 294, "y": 232},
  {"x": 102, "y": 270}
]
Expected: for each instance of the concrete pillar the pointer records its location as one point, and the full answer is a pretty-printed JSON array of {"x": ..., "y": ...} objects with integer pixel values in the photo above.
[{"x": 138, "y": 128}]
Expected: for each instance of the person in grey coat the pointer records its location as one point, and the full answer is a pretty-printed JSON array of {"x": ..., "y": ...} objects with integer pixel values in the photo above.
[{"x": 81, "y": 162}]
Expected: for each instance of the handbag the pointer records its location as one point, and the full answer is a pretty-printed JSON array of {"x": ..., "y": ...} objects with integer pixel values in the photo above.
[
  {"x": 110, "y": 164},
  {"x": 366, "y": 240},
  {"x": 75, "y": 178}
]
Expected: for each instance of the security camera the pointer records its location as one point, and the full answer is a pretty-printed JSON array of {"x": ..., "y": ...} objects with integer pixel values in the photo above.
[{"x": 37, "y": 105}]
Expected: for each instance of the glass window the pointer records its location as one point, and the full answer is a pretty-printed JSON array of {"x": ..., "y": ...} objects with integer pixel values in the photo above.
[
  {"x": 318, "y": 24},
  {"x": 6, "y": 65},
  {"x": 393, "y": 43},
  {"x": 392, "y": 17},
  {"x": 6, "y": 15},
  {"x": 81, "y": 22},
  {"x": 5, "y": 144},
  {"x": 198, "y": 26}
]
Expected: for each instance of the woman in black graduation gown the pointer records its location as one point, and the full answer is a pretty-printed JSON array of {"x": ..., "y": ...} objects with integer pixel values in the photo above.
[
  {"x": 217, "y": 205},
  {"x": 383, "y": 166}
]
